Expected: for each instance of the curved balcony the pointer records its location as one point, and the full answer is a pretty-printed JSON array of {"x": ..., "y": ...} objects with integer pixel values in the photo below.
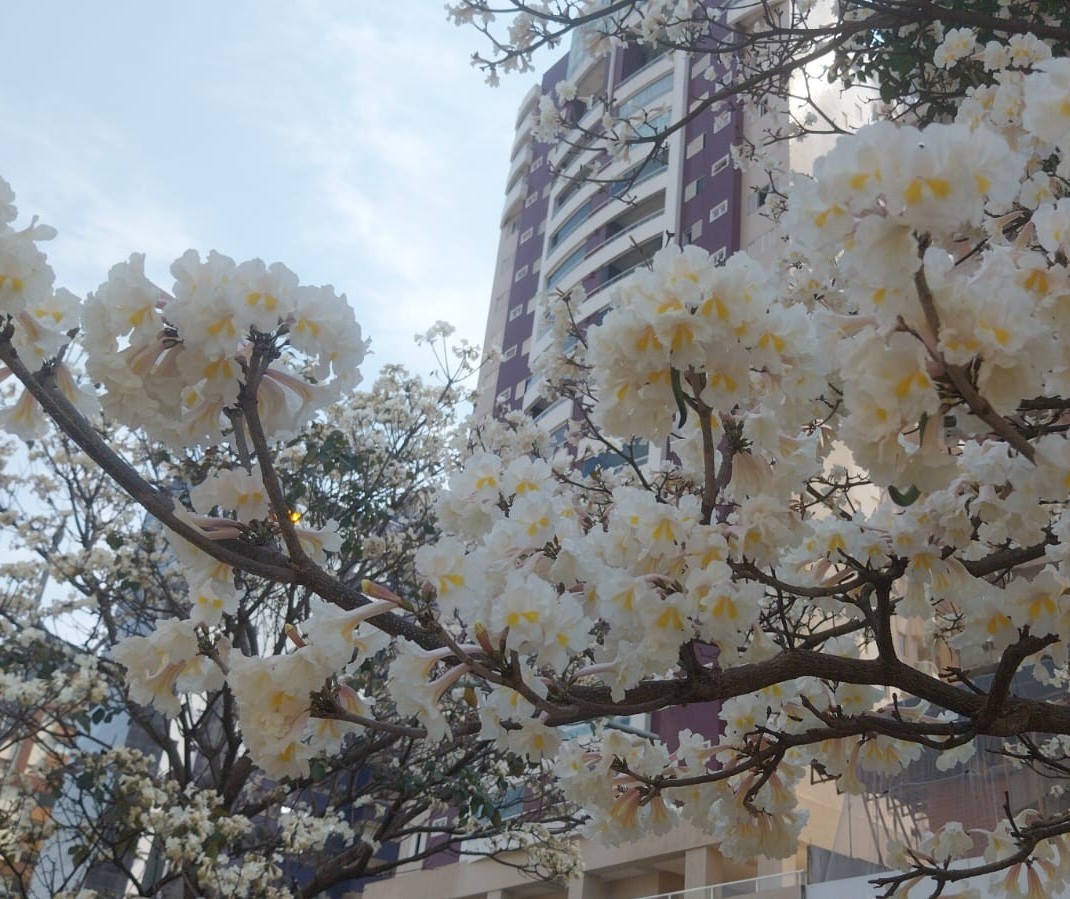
[
  {"x": 616, "y": 258},
  {"x": 519, "y": 166},
  {"x": 624, "y": 97},
  {"x": 527, "y": 105},
  {"x": 641, "y": 190},
  {"x": 580, "y": 129},
  {"x": 605, "y": 253},
  {"x": 631, "y": 220},
  {"x": 618, "y": 169},
  {"x": 523, "y": 136},
  {"x": 514, "y": 201},
  {"x": 639, "y": 79}
]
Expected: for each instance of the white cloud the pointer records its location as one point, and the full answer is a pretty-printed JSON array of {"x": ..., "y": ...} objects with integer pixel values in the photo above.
[
  {"x": 104, "y": 200},
  {"x": 405, "y": 152},
  {"x": 351, "y": 141}
]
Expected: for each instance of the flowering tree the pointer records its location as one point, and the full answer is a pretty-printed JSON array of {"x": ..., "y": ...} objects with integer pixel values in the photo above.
[
  {"x": 105, "y": 791},
  {"x": 781, "y": 53},
  {"x": 866, "y": 436}
]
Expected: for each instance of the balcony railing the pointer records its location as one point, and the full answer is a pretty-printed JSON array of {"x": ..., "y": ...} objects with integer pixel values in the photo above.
[
  {"x": 612, "y": 237},
  {"x": 620, "y": 276},
  {"x": 753, "y": 886}
]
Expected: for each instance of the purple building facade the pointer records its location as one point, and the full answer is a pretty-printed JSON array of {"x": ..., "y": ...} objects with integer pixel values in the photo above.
[{"x": 563, "y": 226}]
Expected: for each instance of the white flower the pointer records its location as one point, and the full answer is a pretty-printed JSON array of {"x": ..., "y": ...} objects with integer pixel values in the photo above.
[
  {"x": 154, "y": 663},
  {"x": 235, "y": 489},
  {"x": 565, "y": 90},
  {"x": 957, "y": 44}
]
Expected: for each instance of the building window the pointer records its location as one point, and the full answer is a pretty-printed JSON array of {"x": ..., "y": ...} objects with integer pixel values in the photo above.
[
  {"x": 567, "y": 265},
  {"x": 643, "y": 98},
  {"x": 721, "y": 121},
  {"x": 638, "y": 451},
  {"x": 586, "y": 730},
  {"x": 720, "y": 165},
  {"x": 536, "y": 162},
  {"x": 521, "y": 272},
  {"x": 515, "y": 313},
  {"x": 693, "y": 189},
  {"x": 531, "y": 199},
  {"x": 570, "y": 224},
  {"x": 693, "y": 233},
  {"x": 511, "y": 805},
  {"x": 509, "y": 353},
  {"x": 536, "y": 265},
  {"x": 696, "y": 145},
  {"x": 719, "y": 210},
  {"x": 719, "y": 257},
  {"x": 521, "y": 389},
  {"x": 569, "y": 191},
  {"x": 758, "y": 198},
  {"x": 526, "y": 235},
  {"x": 504, "y": 396},
  {"x": 424, "y": 838}
]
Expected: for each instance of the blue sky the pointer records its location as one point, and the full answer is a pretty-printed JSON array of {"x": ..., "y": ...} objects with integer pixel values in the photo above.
[{"x": 350, "y": 140}]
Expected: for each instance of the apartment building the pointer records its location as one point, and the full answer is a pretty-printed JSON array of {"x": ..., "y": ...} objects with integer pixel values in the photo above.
[{"x": 573, "y": 217}]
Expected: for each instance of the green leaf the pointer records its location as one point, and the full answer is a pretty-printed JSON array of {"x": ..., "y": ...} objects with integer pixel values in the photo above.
[
  {"x": 678, "y": 394},
  {"x": 904, "y": 497}
]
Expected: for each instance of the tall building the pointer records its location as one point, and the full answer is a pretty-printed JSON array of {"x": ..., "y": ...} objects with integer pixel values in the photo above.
[{"x": 574, "y": 217}]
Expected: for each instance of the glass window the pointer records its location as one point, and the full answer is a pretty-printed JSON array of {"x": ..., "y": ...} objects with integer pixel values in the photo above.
[
  {"x": 569, "y": 263},
  {"x": 637, "y": 450},
  {"x": 570, "y": 224},
  {"x": 719, "y": 210},
  {"x": 640, "y": 99}
]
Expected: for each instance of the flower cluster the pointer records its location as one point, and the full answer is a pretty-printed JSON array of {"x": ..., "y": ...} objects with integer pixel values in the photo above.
[
  {"x": 40, "y": 318},
  {"x": 173, "y": 363},
  {"x": 865, "y": 436}
]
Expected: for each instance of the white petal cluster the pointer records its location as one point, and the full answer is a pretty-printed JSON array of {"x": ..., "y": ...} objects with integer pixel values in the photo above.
[
  {"x": 156, "y": 662},
  {"x": 173, "y": 363},
  {"x": 42, "y": 318}
]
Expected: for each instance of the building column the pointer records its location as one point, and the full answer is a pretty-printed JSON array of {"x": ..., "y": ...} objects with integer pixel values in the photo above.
[
  {"x": 698, "y": 868},
  {"x": 767, "y": 866},
  {"x": 586, "y": 886}
]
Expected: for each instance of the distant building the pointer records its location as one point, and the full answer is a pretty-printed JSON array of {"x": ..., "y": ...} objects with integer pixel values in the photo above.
[{"x": 561, "y": 228}]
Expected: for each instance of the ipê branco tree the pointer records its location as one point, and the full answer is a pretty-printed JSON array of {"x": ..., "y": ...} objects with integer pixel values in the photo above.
[
  {"x": 105, "y": 794},
  {"x": 868, "y": 435}
]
